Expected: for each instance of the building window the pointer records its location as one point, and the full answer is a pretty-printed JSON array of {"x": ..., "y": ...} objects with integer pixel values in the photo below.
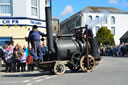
[
  {"x": 113, "y": 30},
  {"x": 46, "y": 2},
  {"x": 97, "y": 28},
  {"x": 5, "y": 7},
  {"x": 72, "y": 26},
  {"x": 97, "y": 18},
  {"x": 78, "y": 22},
  {"x": 55, "y": 29},
  {"x": 112, "y": 20},
  {"x": 34, "y": 7},
  {"x": 89, "y": 18},
  {"x": 104, "y": 20}
]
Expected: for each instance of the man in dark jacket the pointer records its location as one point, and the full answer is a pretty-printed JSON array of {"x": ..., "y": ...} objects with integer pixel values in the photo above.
[
  {"x": 90, "y": 33},
  {"x": 34, "y": 38}
]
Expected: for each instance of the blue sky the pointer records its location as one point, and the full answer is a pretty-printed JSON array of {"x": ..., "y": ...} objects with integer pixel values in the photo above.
[{"x": 65, "y": 8}]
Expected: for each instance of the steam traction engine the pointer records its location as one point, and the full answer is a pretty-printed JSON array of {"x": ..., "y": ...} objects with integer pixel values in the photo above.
[{"x": 73, "y": 53}]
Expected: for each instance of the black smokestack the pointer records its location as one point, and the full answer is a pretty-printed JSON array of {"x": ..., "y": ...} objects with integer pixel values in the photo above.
[{"x": 49, "y": 29}]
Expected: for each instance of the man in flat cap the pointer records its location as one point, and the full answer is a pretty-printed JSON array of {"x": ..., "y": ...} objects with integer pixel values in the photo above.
[{"x": 34, "y": 38}]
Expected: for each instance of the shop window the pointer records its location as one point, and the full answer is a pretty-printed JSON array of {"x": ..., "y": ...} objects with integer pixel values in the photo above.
[
  {"x": 112, "y": 20},
  {"x": 34, "y": 7},
  {"x": 5, "y": 7}
]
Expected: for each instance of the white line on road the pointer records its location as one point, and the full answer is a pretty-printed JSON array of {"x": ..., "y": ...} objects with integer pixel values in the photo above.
[
  {"x": 39, "y": 80},
  {"x": 40, "y": 77},
  {"x": 9, "y": 82},
  {"x": 29, "y": 83},
  {"x": 51, "y": 77},
  {"x": 45, "y": 78},
  {"x": 26, "y": 81}
]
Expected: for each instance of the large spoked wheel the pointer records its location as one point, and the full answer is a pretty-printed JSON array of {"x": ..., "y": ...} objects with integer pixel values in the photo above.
[
  {"x": 83, "y": 64},
  {"x": 59, "y": 68},
  {"x": 74, "y": 69}
]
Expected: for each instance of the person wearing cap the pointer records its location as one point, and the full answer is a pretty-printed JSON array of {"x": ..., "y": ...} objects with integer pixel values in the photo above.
[
  {"x": 90, "y": 33},
  {"x": 34, "y": 38}
]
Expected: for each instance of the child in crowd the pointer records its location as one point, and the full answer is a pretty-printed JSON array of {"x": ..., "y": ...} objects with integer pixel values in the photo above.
[
  {"x": 29, "y": 61},
  {"x": 23, "y": 61},
  {"x": 25, "y": 50}
]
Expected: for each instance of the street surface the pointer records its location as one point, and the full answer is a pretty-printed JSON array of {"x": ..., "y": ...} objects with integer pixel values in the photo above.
[{"x": 111, "y": 71}]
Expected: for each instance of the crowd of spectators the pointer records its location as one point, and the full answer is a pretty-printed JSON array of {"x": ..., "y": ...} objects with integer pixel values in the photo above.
[
  {"x": 17, "y": 58},
  {"x": 120, "y": 50}
]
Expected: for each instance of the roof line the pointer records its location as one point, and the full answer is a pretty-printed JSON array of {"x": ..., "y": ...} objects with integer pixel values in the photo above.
[{"x": 121, "y": 12}]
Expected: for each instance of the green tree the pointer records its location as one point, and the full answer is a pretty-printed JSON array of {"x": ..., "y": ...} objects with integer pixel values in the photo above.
[{"x": 105, "y": 36}]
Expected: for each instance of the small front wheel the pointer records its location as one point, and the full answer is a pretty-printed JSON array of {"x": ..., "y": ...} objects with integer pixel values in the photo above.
[{"x": 59, "y": 68}]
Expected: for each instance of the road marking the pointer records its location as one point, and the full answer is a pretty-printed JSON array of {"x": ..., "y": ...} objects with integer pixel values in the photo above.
[
  {"x": 8, "y": 82},
  {"x": 29, "y": 83},
  {"x": 39, "y": 80},
  {"x": 47, "y": 77},
  {"x": 40, "y": 77},
  {"x": 51, "y": 77},
  {"x": 26, "y": 81}
]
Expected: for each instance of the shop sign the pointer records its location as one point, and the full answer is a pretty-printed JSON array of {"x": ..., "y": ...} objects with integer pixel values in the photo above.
[
  {"x": 35, "y": 22},
  {"x": 21, "y": 22},
  {"x": 7, "y": 21}
]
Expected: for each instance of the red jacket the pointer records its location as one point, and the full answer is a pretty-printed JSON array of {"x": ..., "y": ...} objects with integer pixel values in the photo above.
[{"x": 29, "y": 59}]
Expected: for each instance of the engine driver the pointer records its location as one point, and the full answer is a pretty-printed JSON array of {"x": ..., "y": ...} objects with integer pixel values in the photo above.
[{"x": 34, "y": 38}]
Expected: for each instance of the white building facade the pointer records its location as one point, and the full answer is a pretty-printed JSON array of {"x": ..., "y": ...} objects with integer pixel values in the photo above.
[
  {"x": 18, "y": 16},
  {"x": 97, "y": 17},
  {"x": 22, "y": 12}
]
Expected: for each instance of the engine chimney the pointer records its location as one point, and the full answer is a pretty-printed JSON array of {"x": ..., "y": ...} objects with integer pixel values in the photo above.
[{"x": 49, "y": 29}]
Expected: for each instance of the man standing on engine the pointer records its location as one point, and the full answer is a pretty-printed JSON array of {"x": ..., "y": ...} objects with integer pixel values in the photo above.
[{"x": 34, "y": 38}]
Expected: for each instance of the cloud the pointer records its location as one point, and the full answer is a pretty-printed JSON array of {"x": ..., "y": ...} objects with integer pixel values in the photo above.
[
  {"x": 113, "y": 1},
  {"x": 122, "y": 3},
  {"x": 67, "y": 10}
]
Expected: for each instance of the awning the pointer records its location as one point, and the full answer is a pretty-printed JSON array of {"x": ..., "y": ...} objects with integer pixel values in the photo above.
[
  {"x": 124, "y": 38},
  {"x": 5, "y": 40}
]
